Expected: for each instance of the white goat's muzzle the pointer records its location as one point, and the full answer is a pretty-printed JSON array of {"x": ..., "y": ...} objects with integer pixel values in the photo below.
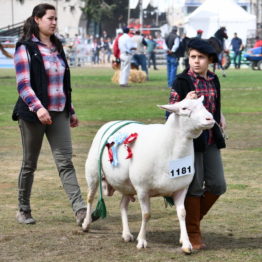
[{"x": 208, "y": 122}]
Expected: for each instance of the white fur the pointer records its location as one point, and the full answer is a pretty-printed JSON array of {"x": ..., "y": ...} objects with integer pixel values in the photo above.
[{"x": 146, "y": 174}]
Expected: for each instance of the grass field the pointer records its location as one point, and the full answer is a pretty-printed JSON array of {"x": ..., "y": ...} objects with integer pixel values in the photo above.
[{"x": 232, "y": 229}]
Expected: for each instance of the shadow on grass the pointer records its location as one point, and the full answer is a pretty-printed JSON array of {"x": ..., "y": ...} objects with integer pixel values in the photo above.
[
  {"x": 170, "y": 238},
  {"x": 214, "y": 241}
]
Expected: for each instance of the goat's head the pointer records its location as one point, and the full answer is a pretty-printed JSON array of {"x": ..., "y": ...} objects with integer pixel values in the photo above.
[{"x": 192, "y": 115}]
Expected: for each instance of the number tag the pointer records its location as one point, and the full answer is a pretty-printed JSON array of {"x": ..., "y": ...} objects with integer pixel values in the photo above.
[{"x": 181, "y": 167}]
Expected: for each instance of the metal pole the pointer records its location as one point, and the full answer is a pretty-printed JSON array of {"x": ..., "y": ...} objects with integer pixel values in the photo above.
[
  {"x": 128, "y": 14},
  {"x": 56, "y": 7},
  {"x": 141, "y": 13},
  {"x": 157, "y": 16},
  {"x": 12, "y": 11}
]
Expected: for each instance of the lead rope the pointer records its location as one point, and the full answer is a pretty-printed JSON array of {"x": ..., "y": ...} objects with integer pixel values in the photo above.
[
  {"x": 100, "y": 210},
  {"x": 222, "y": 131}
]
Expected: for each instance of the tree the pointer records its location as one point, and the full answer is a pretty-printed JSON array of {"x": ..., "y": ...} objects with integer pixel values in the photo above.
[{"x": 109, "y": 14}]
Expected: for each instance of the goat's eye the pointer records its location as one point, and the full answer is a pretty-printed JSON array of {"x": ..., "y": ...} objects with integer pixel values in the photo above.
[{"x": 184, "y": 108}]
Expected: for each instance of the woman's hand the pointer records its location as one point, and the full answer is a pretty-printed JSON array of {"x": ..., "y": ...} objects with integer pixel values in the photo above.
[
  {"x": 223, "y": 122},
  {"x": 44, "y": 116},
  {"x": 74, "y": 121},
  {"x": 191, "y": 95}
]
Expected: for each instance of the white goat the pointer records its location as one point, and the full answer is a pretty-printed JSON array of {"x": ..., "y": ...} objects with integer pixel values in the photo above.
[{"x": 149, "y": 173}]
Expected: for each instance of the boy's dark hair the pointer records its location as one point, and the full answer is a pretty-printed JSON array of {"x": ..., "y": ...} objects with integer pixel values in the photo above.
[{"x": 203, "y": 47}]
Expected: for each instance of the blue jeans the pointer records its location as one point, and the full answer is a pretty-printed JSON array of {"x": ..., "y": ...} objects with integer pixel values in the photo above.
[
  {"x": 237, "y": 59},
  {"x": 172, "y": 64},
  {"x": 140, "y": 60}
]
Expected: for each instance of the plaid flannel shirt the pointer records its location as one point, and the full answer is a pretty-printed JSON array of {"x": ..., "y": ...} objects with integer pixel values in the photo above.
[
  {"x": 205, "y": 87},
  {"x": 55, "y": 68}
]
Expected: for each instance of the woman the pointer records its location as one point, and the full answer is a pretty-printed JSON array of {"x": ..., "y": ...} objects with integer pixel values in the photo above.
[
  {"x": 208, "y": 182},
  {"x": 44, "y": 108}
]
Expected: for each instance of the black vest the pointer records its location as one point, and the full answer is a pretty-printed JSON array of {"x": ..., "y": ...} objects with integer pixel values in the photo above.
[
  {"x": 39, "y": 83},
  {"x": 170, "y": 39}
]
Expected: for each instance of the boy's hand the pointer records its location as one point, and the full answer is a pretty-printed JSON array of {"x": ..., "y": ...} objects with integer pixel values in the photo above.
[
  {"x": 191, "y": 95},
  {"x": 223, "y": 122}
]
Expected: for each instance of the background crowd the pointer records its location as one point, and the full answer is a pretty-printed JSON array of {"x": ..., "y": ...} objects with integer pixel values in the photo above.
[
  {"x": 88, "y": 50},
  {"x": 94, "y": 50}
]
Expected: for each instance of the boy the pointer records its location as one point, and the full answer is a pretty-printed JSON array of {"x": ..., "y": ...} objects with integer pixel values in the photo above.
[{"x": 208, "y": 182}]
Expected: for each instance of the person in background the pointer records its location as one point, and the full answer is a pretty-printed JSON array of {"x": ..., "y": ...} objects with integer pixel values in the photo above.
[
  {"x": 171, "y": 45},
  {"x": 139, "y": 55},
  {"x": 258, "y": 42},
  {"x": 44, "y": 108},
  {"x": 106, "y": 46},
  {"x": 237, "y": 47},
  {"x": 151, "y": 55},
  {"x": 126, "y": 46},
  {"x": 116, "y": 50},
  {"x": 109, "y": 49},
  {"x": 104, "y": 34},
  {"x": 184, "y": 43},
  {"x": 96, "y": 48},
  {"x": 199, "y": 33},
  {"x": 208, "y": 183}
]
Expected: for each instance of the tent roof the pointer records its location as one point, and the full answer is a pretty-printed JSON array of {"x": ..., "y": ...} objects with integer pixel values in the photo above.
[
  {"x": 213, "y": 14},
  {"x": 226, "y": 10}
]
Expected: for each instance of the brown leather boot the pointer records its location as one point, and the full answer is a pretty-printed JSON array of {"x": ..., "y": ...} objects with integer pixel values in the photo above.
[
  {"x": 206, "y": 202},
  {"x": 192, "y": 206}
]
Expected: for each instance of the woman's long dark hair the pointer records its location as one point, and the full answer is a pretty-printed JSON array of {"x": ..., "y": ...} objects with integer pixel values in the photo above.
[{"x": 31, "y": 28}]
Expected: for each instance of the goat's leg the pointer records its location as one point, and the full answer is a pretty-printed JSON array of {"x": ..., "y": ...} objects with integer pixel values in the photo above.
[
  {"x": 126, "y": 234},
  {"x": 179, "y": 199},
  {"x": 92, "y": 188},
  {"x": 145, "y": 208}
]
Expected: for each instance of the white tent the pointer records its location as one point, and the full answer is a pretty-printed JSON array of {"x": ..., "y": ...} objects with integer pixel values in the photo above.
[{"x": 213, "y": 14}]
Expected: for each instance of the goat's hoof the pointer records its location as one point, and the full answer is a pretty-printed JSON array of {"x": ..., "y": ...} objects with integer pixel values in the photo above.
[
  {"x": 187, "y": 250},
  {"x": 142, "y": 243},
  {"x": 85, "y": 229},
  {"x": 128, "y": 237},
  {"x": 85, "y": 226}
]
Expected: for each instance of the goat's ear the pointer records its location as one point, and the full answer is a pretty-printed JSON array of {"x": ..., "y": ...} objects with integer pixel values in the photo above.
[
  {"x": 173, "y": 108},
  {"x": 201, "y": 99}
]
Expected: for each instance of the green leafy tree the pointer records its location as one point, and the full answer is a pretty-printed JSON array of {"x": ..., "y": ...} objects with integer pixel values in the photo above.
[{"x": 108, "y": 14}]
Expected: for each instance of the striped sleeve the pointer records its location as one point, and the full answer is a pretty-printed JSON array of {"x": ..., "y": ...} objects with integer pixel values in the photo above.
[
  {"x": 174, "y": 97},
  {"x": 23, "y": 79}
]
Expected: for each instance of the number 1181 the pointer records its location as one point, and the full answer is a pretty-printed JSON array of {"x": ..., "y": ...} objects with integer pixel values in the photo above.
[{"x": 181, "y": 171}]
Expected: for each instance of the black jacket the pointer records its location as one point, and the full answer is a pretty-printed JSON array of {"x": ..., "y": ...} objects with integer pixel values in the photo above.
[
  {"x": 182, "y": 85},
  {"x": 39, "y": 83},
  {"x": 170, "y": 39}
]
